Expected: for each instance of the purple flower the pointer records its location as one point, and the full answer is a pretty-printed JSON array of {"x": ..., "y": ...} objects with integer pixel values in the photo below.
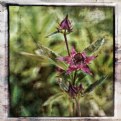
[
  {"x": 78, "y": 61},
  {"x": 65, "y": 25},
  {"x": 74, "y": 90}
]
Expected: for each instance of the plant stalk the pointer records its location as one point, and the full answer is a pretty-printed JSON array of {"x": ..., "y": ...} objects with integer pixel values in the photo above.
[
  {"x": 66, "y": 43},
  {"x": 76, "y": 107},
  {"x": 78, "y": 110},
  {"x": 74, "y": 78}
]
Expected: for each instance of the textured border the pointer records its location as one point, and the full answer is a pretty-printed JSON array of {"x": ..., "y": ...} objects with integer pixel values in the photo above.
[{"x": 4, "y": 47}]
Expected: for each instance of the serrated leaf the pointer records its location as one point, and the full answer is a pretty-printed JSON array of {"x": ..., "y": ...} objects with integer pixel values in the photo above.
[
  {"x": 53, "y": 99},
  {"x": 95, "y": 84},
  {"x": 94, "y": 46},
  {"x": 52, "y": 56}
]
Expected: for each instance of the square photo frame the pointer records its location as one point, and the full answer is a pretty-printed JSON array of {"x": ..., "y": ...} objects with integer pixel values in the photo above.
[{"x": 42, "y": 77}]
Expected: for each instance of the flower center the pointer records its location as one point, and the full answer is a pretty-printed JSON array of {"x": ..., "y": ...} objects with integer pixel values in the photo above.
[{"x": 78, "y": 59}]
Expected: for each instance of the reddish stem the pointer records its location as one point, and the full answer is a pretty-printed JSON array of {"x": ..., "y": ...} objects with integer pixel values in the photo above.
[{"x": 66, "y": 43}]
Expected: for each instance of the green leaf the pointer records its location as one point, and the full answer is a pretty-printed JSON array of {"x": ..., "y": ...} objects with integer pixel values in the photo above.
[
  {"x": 32, "y": 55},
  {"x": 24, "y": 111},
  {"x": 94, "y": 46},
  {"x": 53, "y": 99},
  {"x": 95, "y": 84},
  {"x": 80, "y": 76},
  {"x": 90, "y": 50},
  {"x": 16, "y": 94},
  {"x": 62, "y": 85},
  {"x": 41, "y": 59},
  {"x": 52, "y": 56}
]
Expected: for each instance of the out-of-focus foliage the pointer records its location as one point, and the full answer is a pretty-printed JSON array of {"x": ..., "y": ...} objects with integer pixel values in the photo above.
[{"x": 33, "y": 87}]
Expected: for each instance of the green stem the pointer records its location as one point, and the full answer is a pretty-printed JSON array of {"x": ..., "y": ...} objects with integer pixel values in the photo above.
[
  {"x": 77, "y": 104},
  {"x": 66, "y": 43},
  {"x": 76, "y": 107},
  {"x": 73, "y": 107},
  {"x": 74, "y": 78}
]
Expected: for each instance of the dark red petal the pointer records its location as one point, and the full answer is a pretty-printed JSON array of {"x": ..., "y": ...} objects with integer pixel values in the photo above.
[
  {"x": 73, "y": 52},
  {"x": 85, "y": 69},
  {"x": 90, "y": 58},
  {"x": 71, "y": 69},
  {"x": 66, "y": 59},
  {"x": 65, "y": 24},
  {"x": 84, "y": 55},
  {"x": 75, "y": 89}
]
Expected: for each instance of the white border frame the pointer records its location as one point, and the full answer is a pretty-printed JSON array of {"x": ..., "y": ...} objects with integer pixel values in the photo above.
[{"x": 3, "y": 57}]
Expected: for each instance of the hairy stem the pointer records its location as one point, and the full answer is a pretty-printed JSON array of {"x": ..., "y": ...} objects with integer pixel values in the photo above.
[{"x": 66, "y": 43}]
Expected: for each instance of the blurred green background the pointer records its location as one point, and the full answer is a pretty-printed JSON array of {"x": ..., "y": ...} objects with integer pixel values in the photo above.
[{"x": 32, "y": 81}]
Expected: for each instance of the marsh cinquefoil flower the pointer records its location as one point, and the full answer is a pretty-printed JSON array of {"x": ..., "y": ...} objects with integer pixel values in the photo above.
[
  {"x": 74, "y": 90},
  {"x": 65, "y": 25},
  {"x": 78, "y": 61}
]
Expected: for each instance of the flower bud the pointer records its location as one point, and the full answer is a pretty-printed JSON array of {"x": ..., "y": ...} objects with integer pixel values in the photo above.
[{"x": 65, "y": 26}]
